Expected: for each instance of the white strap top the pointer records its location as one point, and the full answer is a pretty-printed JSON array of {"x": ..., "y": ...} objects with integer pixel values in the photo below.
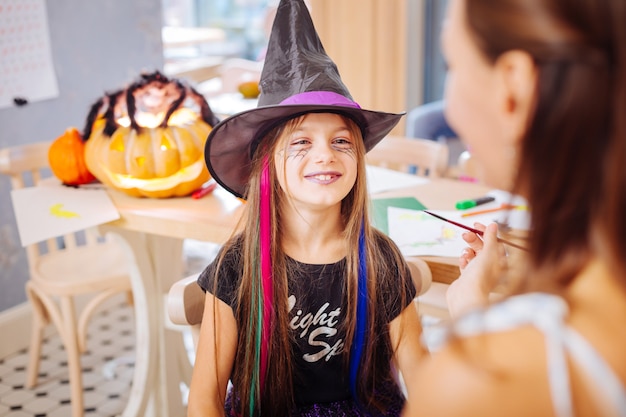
[{"x": 547, "y": 313}]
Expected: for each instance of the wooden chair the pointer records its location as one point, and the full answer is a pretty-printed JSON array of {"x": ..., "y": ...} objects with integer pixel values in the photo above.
[
  {"x": 70, "y": 266},
  {"x": 185, "y": 300},
  {"x": 418, "y": 156},
  {"x": 425, "y": 158}
]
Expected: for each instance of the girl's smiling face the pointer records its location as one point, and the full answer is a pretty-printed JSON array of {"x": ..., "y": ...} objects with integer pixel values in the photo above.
[{"x": 316, "y": 164}]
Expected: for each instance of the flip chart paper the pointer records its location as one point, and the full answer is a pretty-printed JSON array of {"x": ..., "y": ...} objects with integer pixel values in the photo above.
[{"x": 26, "y": 67}]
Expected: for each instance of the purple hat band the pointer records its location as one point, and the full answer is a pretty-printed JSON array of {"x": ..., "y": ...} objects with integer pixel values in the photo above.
[{"x": 325, "y": 98}]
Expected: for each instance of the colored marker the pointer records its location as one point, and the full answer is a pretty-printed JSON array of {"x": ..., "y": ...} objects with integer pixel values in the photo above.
[
  {"x": 503, "y": 206},
  {"x": 467, "y": 204},
  {"x": 206, "y": 190}
]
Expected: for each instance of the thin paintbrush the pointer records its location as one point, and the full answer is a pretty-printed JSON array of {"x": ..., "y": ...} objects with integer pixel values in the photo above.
[{"x": 471, "y": 229}]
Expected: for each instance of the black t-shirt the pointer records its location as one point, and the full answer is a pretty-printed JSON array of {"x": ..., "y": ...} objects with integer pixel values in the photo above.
[{"x": 316, "y": 314}]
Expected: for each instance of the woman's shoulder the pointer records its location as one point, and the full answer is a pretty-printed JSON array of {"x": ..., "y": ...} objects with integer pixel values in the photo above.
[
  {"x": 502, "y": 373},
  {"x": 496, "y": 357}
]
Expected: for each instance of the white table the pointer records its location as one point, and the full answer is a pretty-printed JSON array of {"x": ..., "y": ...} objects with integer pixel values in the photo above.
[{"x": 153, "y": 231}]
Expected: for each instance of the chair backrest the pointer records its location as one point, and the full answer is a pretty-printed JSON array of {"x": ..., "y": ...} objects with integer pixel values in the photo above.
[
  {"x": 419, "y": 156},
  {"x": 27, "y": 165},
  {"x": 428, "y": 121},
  {"x": 19, "y": 161}
]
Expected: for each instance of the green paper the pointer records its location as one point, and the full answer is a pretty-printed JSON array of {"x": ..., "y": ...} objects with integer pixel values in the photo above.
[{"x": 379, "y": 209}]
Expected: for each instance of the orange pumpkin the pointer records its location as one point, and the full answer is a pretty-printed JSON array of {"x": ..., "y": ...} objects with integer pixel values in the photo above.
[
  {"x": 66, "y": 157},
  {"x": 150, "y": 142},
  {"x": 249, "y": 89}
]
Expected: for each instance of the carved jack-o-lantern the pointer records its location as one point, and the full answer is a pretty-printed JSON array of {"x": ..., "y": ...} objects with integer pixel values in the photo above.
[{"x": 147, "y": 140}]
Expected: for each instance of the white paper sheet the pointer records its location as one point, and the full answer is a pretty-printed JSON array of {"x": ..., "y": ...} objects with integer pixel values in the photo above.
[
  {"x": 417, "y": 233},
  {"x": 382, "y": 179},
  {"x": 48, "y": 211},
  {"x": 420, "y": 234},
  {"x": 26, "y": 68}
]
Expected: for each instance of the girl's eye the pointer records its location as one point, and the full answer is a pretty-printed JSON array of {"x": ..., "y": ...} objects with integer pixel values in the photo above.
[
  {"x": 342, "y": 142},
  {"x": 299, "y": 142}
]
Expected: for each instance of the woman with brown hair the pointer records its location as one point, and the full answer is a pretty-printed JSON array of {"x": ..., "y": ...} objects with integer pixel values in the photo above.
[{"x": 537, "y": 89}]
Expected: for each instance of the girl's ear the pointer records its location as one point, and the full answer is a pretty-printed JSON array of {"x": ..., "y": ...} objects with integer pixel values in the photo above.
[{"x": 516, "y": 74}]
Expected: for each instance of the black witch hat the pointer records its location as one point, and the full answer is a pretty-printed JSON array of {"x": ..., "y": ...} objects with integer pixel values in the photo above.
[{"x": 298, "y": 77}]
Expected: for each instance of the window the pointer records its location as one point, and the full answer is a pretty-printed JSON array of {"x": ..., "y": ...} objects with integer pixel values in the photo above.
[
  {"x": 434, "y": 66},
  {"x": 221, "y": 28}
]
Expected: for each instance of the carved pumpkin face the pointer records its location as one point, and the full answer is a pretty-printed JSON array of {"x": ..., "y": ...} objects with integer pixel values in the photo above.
[{"x": 148, "y": 143}]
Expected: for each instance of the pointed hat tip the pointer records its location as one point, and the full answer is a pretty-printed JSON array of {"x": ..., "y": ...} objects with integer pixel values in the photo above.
[{"x": 295, "y": 61}]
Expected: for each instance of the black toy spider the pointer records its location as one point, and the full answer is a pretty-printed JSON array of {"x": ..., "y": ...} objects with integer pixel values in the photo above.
[{"x": 152, "y": 93}]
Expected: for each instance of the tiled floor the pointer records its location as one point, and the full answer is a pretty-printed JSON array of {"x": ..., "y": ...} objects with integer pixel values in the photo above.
[
  {"x": 107, "y": 371},
  {"x": 107, "y": 365}
]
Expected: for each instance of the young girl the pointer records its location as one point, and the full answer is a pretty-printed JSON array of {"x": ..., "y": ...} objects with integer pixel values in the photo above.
[{"x": 309, "y": 309}]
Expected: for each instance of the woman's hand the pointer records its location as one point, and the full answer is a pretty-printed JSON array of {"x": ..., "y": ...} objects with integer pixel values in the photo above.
[
  {"x": 481, "y": 265},
  {"x": 475, "y": 246}
]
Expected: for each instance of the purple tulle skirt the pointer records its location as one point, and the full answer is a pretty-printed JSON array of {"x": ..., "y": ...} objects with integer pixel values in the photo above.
[{"x": 345, "y": 408}]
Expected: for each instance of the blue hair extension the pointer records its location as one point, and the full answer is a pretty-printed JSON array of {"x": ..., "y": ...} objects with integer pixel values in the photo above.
[{"x": 356, "y": 351}]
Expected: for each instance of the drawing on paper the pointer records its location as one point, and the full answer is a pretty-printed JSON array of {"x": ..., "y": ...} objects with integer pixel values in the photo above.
[
  {"x": 417, "y": 233},
  {"x": 57, "y": 210}
]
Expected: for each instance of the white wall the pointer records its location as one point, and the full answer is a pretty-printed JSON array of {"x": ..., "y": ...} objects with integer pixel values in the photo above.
[{"x": 97, "y": 46}]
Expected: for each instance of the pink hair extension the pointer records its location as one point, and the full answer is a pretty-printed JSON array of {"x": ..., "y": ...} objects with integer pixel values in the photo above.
[{"x": 266, "y": 265}]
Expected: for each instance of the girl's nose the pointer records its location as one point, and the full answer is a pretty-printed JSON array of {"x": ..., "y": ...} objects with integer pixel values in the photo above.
[{"x": 323, "y": 152}]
